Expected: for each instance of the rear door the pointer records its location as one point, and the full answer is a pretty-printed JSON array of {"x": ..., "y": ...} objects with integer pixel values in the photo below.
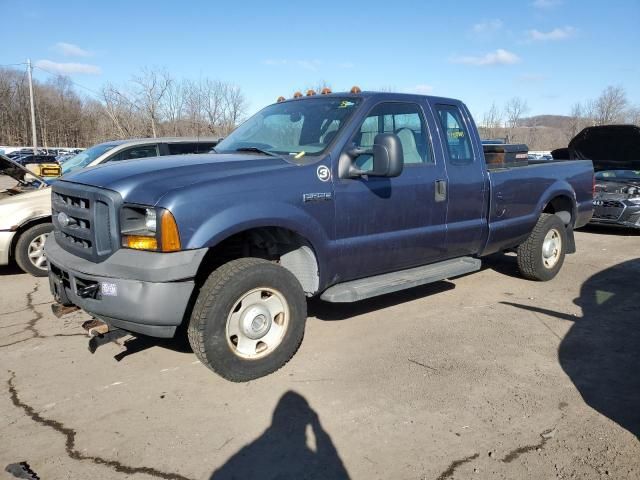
[
  {"x": 467, "y": 180},
  {"x": 386, "y": 224}
]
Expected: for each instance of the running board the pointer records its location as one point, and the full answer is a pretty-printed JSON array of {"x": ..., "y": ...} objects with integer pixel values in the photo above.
[{"x": 392, "y": 282}]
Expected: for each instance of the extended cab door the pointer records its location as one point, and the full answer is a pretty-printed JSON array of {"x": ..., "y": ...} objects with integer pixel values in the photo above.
[
  {"x": 467, "y": 180},
  {"x": 386, "y": 224}
]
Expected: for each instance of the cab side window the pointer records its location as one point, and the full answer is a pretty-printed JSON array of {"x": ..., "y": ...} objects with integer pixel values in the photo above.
[
  {"x": 403, "y": 119},
  {"x": 458, "y": 141},
  {"x": 189, "y": 148},
  {"x": 141, "y": 151}
]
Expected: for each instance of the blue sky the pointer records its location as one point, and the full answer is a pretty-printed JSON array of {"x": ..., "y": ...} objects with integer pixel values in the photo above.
[{"x": 553, "y": 53}]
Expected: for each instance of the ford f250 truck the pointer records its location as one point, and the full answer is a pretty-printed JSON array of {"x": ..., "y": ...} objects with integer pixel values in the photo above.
[{"x": 339, "y": 195}]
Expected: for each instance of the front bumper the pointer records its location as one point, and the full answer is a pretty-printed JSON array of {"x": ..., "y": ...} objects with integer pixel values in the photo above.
[
  {"x": 6, "y": 238},
  {"x": 141, "y": 292},
  {"x": 616, "y": 213}
]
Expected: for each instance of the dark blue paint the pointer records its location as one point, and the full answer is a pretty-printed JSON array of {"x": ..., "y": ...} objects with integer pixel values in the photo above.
[{"x": 372, "y": 225}]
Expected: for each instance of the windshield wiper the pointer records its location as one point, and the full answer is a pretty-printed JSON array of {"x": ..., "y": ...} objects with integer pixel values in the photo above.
[{"x": 255, "y": 150}]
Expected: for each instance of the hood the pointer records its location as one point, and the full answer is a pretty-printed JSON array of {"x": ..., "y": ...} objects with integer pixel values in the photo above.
[
  {"x": 609, "y": 147},
  {"x": 16, "y": 171},
  {"x": 145, "y": 181}
]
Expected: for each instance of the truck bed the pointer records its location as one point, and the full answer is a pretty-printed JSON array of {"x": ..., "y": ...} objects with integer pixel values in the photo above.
[{"x": 519, "y": 193}]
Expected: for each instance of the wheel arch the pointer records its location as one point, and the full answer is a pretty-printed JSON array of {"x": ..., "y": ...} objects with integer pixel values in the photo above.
[
  {"x": 291, "y": 249},
  {"x": 563, "y": 206},
  {"x": 23, "y": 227}
]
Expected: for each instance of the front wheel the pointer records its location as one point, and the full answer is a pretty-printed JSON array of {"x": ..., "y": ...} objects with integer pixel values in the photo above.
[
  {"x": 541, "y": 256},
  {"x": 248, "y": 319},
  {"x": 29, "y": 251}
]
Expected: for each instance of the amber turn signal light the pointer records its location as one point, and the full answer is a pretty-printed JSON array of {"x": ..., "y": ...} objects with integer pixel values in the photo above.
[
  {"x": 140, "y": 242},
  {"x": 169, "y": 235}
]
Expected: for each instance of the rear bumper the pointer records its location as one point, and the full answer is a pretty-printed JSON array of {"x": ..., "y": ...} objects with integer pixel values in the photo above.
[
  {"x": 141, "y": 292},
  {"x": 5, "y": 246}
]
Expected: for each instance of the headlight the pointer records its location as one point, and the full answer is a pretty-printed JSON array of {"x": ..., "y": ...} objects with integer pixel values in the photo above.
[
  {"x": 147, "y": 228},
  {"x": 150, "y": 219}
]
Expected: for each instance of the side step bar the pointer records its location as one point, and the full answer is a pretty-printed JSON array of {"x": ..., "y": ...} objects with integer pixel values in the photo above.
[{"x": 392, "y": 282}]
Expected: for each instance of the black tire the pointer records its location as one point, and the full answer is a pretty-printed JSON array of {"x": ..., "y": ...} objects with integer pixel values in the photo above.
[
  {"x": 530, "y": 253},
  {"x": 23, "y": 245},
  {"x": 207, "y": 330}
]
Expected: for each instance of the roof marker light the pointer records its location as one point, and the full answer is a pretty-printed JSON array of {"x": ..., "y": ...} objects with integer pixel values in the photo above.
[
  {"x": 310, "y": 92},
  {"x": 325, "y": 91},
  {"x": 355, "y": 89},
  {"x": 281, "y": 99},
  {"x": 297, "y": 95}
]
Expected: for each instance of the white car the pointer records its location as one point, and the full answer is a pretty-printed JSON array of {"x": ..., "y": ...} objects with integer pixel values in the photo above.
[{"x": 25, "y": 200}]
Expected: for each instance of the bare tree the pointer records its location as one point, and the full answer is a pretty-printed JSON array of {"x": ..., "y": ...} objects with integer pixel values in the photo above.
[
  {"x": 122, "y": 112},
  {"x": 235, "y": 108},
  {"x": 633, "y": 115},
  {"x": 492, "y": 121},
  {"x": 151, "y": 87},
  {"x": 576, "y": 121},
  {"x": 194, "y": 106},
  {"x": 611, "y": 105},
  {"x": 174, "y": 104},
  {"x": 514, "y": 110}
]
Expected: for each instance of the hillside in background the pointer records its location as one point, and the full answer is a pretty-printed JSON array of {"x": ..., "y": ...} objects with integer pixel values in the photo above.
[{"x": 549, "y": 121}]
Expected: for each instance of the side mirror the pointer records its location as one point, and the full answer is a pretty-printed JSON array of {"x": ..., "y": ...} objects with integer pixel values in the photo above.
[{"x": 387, "y": 157}]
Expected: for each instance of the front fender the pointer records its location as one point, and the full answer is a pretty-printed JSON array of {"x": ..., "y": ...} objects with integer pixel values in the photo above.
[{"x": 236, "y": 219}]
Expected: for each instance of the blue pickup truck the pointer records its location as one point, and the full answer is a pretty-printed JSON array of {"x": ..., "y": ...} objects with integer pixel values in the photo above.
[{"x": 344, "y": 196}]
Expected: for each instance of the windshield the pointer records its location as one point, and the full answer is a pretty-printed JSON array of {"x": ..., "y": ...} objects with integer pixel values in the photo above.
[
  {"x": 84, "y": 158},
  {"x": 618, "y": 175},
  {"x": 299, "y": 128}
]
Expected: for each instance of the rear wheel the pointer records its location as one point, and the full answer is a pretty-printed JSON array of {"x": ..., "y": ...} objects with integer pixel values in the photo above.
[
  {"x": 541, "y": 256},
  {"x": 248, "y": 320},
  {"x": 29, "y": 251}
]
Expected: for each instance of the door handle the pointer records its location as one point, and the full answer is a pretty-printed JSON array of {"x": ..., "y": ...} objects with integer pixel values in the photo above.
[{"x": 441, "y": 190}]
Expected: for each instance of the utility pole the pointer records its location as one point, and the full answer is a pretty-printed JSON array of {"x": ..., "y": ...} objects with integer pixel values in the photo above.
[{"x": 33, "y": 109}]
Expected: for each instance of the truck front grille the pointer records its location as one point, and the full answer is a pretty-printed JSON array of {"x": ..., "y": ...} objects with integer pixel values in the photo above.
[{"x": 83, "y": 219}]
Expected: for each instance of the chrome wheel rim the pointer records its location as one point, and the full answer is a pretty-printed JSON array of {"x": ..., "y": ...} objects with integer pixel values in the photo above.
[
  {"x": 257, "y": 323},
  {"x": 35, "y": 252},
  {"x": 551, "y": 248}
]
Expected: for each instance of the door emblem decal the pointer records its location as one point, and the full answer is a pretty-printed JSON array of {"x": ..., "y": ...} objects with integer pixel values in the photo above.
[{"x": 324, "y": 174}]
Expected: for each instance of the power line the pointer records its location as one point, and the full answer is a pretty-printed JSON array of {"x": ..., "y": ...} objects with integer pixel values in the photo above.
[
  {"x": 97, "y": 94},
  {"x": 12, "y": 64}
]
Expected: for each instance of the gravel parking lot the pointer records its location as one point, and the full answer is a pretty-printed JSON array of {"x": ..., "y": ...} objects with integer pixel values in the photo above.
[{"x": 486, "y": 376}]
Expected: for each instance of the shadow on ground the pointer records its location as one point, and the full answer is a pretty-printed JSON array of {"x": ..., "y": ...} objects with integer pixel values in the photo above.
[
  {"x": 283, "y": 450},
  {"x": 601, "y": 351},
  {"x": 613, "y": 230},
  {"x": 11, "y": 269},
  {"x": 504, "y": 263}
]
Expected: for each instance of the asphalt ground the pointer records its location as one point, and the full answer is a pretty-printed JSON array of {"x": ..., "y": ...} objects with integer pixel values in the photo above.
[{"x": 485, "y": 376}]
